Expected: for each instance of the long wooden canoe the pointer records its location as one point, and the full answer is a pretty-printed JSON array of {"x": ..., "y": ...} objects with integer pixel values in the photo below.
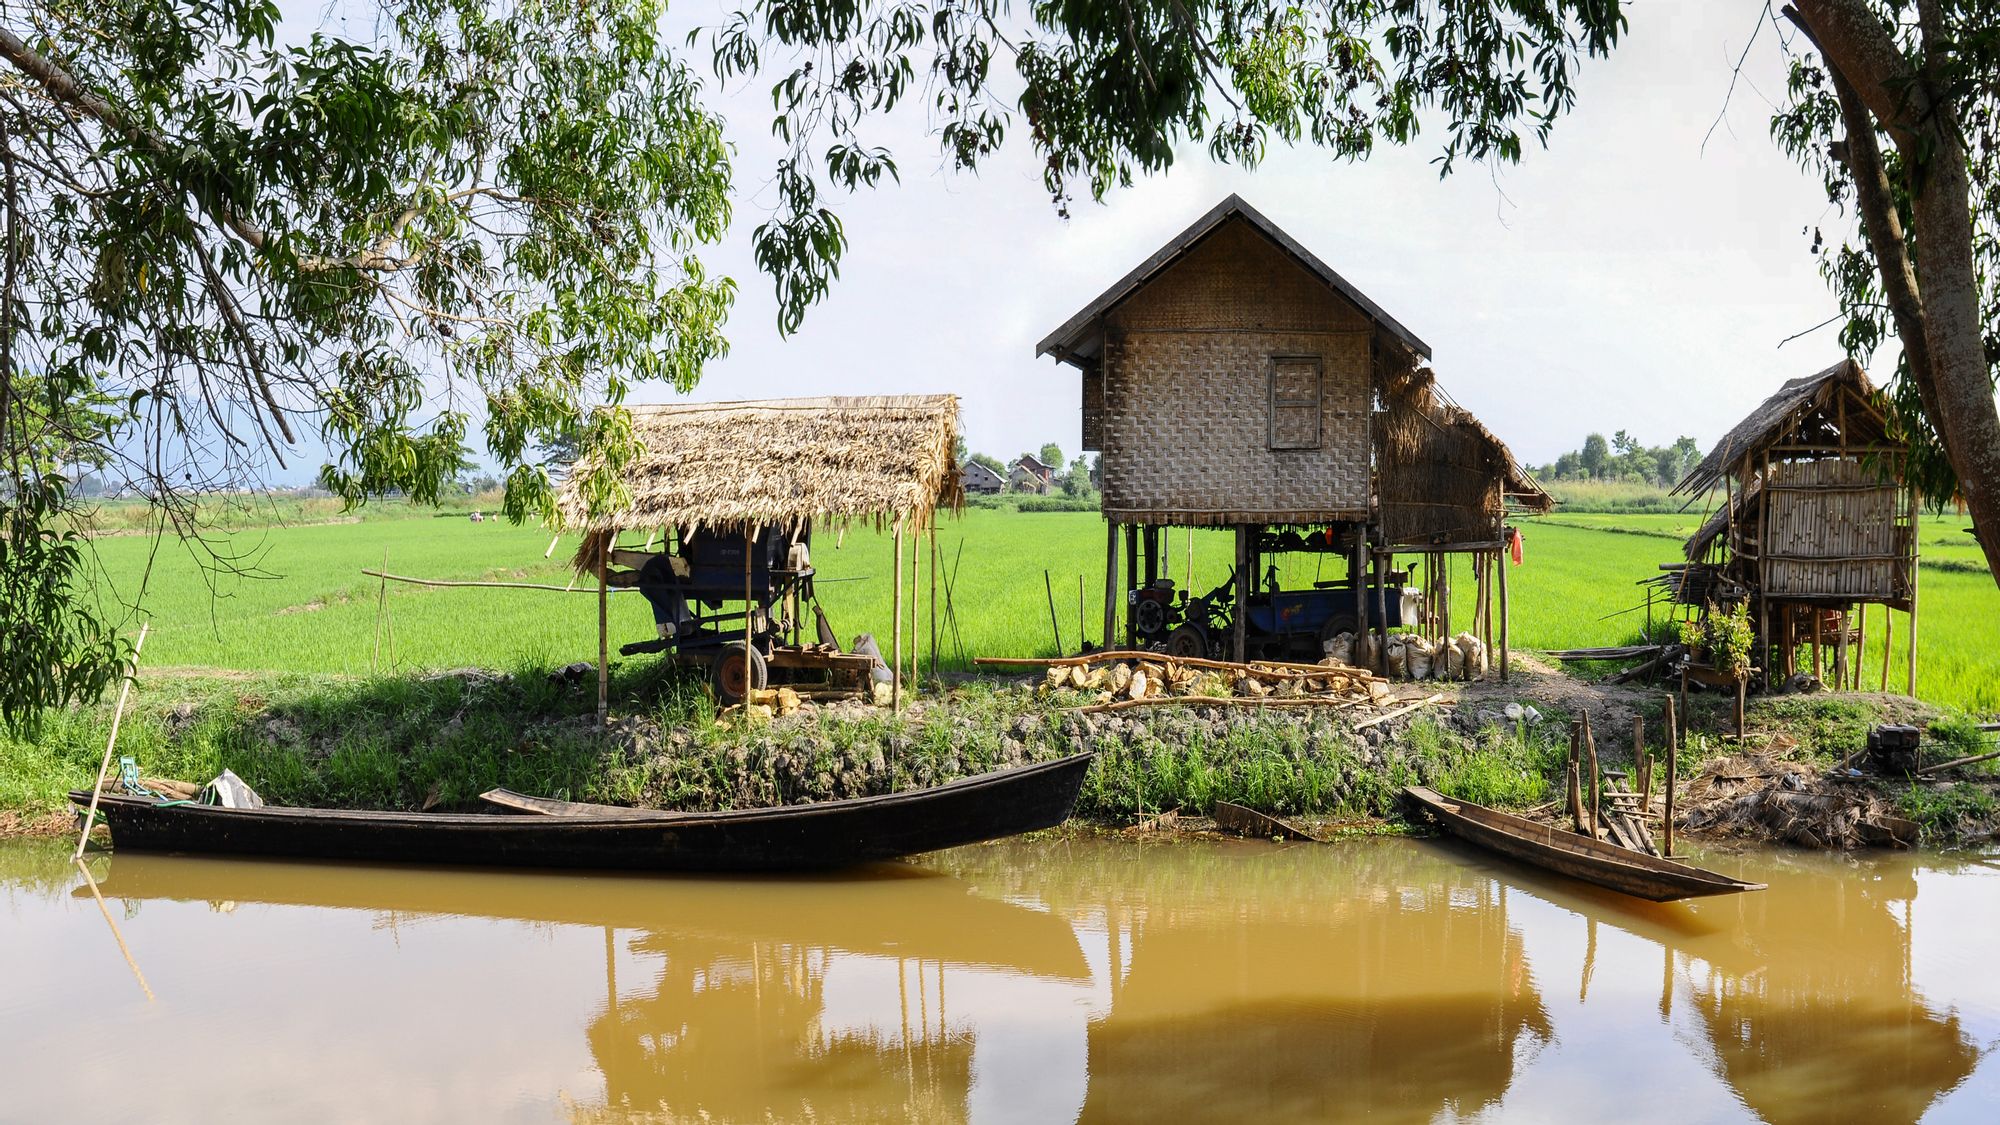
[
  {"x": 786, "y": 838},
  {"x": 1580, "y": 857}
]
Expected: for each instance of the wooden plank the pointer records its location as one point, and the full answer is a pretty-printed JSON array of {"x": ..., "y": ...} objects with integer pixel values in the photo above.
[{"x": 1232, "y": 817}]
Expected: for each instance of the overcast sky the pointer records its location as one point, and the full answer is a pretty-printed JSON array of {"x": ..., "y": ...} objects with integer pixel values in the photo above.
[{"x": 1623, "y": 278}]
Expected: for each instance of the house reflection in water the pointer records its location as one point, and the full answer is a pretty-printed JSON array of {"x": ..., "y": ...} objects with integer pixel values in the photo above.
[{"x": 1812, "y": 1006}]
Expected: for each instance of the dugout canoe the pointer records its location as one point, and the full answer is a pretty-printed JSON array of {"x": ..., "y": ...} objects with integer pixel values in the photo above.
[
  {"x": 1566, "y": 853},
  {"x": 786, "y": 838}
]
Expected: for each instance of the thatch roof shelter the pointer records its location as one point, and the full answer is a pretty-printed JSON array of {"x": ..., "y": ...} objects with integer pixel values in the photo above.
[
  {"x": 1443, "y": 478},
  {"x": 736, "y": 466},
  {"x": 1817, "y": 524}
]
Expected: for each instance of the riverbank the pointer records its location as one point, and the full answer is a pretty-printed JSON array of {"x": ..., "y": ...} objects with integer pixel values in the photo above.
[{"x": 435, "y": 741}]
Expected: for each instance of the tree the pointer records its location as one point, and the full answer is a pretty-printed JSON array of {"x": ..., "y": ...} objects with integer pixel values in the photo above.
[
  {"x": 471, "y": 206},
  {"x": 1051, "y": 455},
  {"x": 1594, "y": 455},
  {"x": 958, "y": 448},
  {"x": 1924, "y": 77},
  {"x": 1109, "y": 91},
  {"x": 1076, "y": 480}
]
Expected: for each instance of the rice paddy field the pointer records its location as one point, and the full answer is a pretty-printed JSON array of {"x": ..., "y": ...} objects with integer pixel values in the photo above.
[{"x": 293, "y": 598}]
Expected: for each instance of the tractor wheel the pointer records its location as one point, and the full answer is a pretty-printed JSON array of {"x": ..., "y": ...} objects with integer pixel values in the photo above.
[
  {"x": 1336, "y": 625},
  {"x": 1188, "y": 640},
  {"x": 733, "y": 681}
]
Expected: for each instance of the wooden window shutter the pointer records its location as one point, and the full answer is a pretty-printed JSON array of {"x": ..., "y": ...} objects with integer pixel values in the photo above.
[{"x": 1295, "y": 406}]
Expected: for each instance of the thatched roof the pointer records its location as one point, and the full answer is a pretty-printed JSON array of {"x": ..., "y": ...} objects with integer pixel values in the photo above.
[
  {"x": 1778, "y": 417},
  {"x": 1081, "y": 338},
  {"x": 739, "y": 465},
  {"x": 1443, "y": 476}
]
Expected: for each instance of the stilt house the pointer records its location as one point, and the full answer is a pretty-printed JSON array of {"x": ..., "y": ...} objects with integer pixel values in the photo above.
[
  {"x": 1817, "y": 524},
  {"x": 1235, "y": 380}
]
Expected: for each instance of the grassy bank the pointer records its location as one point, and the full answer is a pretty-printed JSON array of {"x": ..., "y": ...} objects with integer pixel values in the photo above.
[{"x": 438, "y": 741}]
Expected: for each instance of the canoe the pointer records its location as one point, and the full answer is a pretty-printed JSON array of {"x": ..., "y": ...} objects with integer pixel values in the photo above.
[
  {"x": 1580, "y": 857},
  {"x": 786, "y": 838}
]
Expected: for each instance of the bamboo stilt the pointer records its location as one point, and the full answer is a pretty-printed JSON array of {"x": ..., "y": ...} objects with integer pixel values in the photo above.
[
  {"x": 896, "y": 627},
  {"x": 604, "y": 635}
]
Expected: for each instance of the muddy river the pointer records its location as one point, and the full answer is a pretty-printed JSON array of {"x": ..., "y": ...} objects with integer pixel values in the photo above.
[{"x": 1049, "y": 981}]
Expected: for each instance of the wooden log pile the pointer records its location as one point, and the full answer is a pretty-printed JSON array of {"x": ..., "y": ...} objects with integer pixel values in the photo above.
[{"x": 1119, "y": 680}]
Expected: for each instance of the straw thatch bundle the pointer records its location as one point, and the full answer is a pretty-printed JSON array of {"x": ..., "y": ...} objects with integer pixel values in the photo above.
[
  {"x": 736, "y": 466},
  {"x": 1443, "y": 477}
]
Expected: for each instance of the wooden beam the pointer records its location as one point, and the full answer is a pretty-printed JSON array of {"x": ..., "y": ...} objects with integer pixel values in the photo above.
[{"x": 1110, "y": 581}]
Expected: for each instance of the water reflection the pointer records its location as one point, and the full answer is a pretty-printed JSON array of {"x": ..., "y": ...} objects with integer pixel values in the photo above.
[
  {"x": 1298, "y": 983},
  {"x": 1812, "y": 1003},
  {"x": 1041, "y": 981}
]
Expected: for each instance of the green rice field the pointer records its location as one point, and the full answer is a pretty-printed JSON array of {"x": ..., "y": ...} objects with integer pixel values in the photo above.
[{"x": 294, "y": 598}]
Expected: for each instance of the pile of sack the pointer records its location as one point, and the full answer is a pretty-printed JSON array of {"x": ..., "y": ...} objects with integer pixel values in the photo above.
[{"x": 1413, "y": 657}]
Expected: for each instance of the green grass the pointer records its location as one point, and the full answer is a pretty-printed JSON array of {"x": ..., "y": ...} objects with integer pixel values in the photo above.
[{"x": 305, "y": 606}]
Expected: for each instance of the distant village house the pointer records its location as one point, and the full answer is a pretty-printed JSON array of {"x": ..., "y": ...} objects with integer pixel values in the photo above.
[
  {"x": 978, "y": 478},
  {"x": 1030, "y": 475}
]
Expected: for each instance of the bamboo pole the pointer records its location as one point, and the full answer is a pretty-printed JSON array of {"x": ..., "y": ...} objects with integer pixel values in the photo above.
[
  {"x": 116, "y": 934},
  {"x": 916, "y": 604},
  {"x": 934, "y": 584},
  {"x": 1383, "y": 560},
  {"x": 1502, "y": 562},
  {"x": 1048, "y": 587},
  {"x": 749, "y": 551},
  {"x": 896, "y": 627},
  {"x": 381, "y": 606},
  {"x": 447, "y": 583},
  {"x": 1241, "y": 625},
  {"x": 117, "y": 717},
  {"x": 1572, "y": 775}
]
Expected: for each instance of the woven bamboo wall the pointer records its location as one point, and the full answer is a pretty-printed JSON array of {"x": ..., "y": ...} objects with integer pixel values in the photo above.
[
  {"x": 1186, "y": 414},
  {"x": 1833, "y": 532},
  {"x": 1093, "y": 408}
]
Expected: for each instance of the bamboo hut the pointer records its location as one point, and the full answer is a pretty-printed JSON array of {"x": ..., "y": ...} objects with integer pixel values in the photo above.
[
  {"x": 1817, "y": 523},
  {"x": 1235, "y": 380},
  {"x": 739, "y": 468}
]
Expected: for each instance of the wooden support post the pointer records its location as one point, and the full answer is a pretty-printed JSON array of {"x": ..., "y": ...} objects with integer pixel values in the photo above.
[
  {"x": 1241, "y": 618},
  {"x": 1888, "y": 642},
  {"x": 916, "y": 588},
  {"x": 1819, "y": 667},
  {"x": 604, "y": 632},
  {"x": 896, "y": 629},
  {"x": 1742, "y": 688},
  {"x": 1916, "y": 556},
  {"x": 1642, "y": 759},
  {"x": 1110, "y": 581},
  {"x": 1672, "y": 779},
  {"x": 1384, "y": 559},
  {"x": 1572, "y": 776},
  {"x": 1357, "y": 572},
  {"x": 1443, "y": 563},
  {"x": 1596, "y": 781},
  {"x": 1505, "y": 560},
  {"x": 1131, "y": 579}
]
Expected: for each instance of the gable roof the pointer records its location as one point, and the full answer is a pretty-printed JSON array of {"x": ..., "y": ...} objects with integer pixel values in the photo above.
[
  {"x": 976, "y": 467},
  {"x": 1032, "y": 463},
  {"x": 1082, "y": 336},
  {"x": 732, "y": 466}
]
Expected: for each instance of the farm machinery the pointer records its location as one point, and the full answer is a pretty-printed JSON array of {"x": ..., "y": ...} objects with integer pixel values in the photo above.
[
  {"x": 735, "y": 605},
  {"x": 1279, "y": 623}
]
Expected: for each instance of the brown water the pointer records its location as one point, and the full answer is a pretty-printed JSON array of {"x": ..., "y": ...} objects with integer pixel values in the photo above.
[{"x": 1035, "y": 982}]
